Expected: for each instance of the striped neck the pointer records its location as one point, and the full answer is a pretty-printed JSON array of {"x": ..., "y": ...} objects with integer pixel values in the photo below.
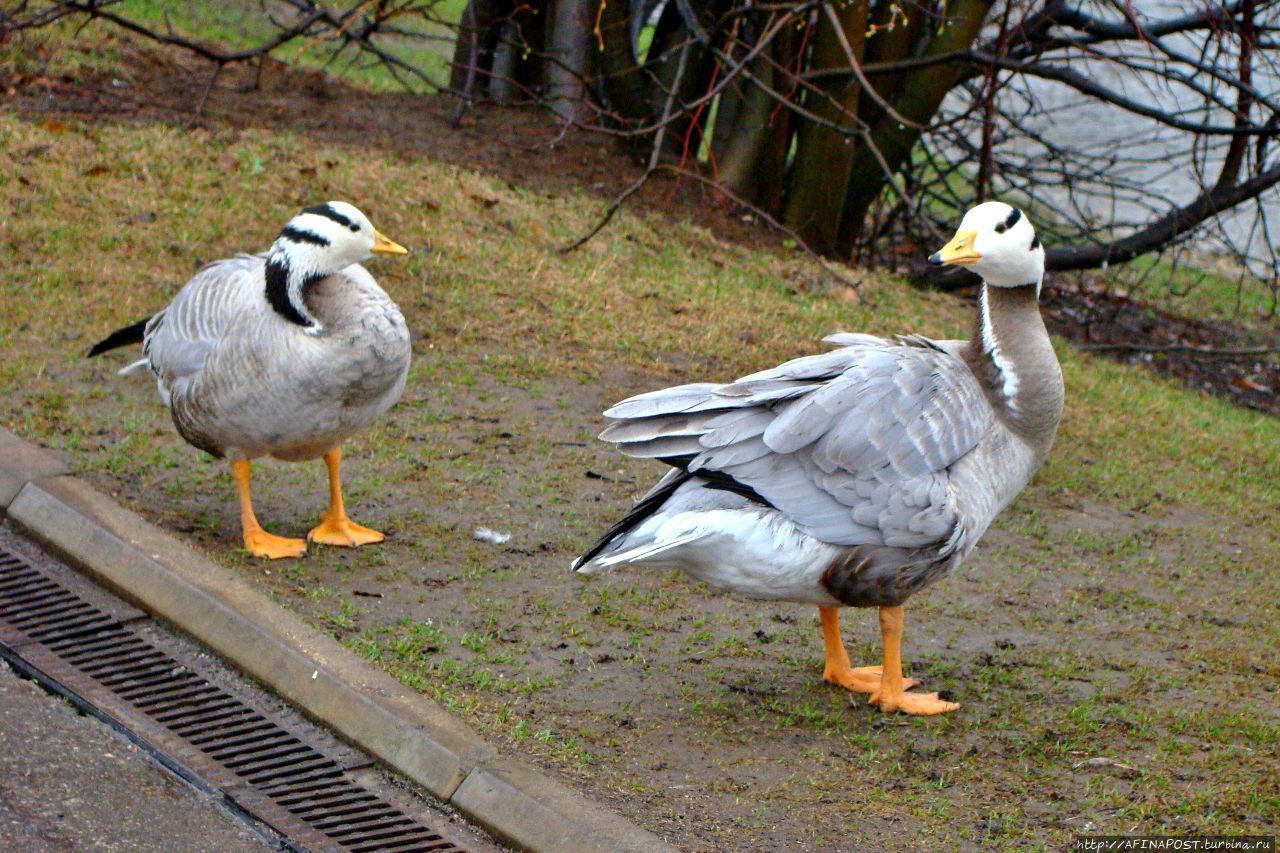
[
  {"x": 1012, "y": 356},
  {"x": 286, "y": 285}
]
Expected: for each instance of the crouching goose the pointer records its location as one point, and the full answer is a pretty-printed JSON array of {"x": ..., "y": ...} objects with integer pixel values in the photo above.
[
  {"x": 285, "y": 354},
  {"x": 857, "y": 477}
]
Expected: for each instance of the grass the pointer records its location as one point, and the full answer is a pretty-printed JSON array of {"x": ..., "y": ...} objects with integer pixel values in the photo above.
[
  {"x": 1124, "y": 607},
  {"x": 423, "y": 38},
  {"x": 1188, "y": 291}
]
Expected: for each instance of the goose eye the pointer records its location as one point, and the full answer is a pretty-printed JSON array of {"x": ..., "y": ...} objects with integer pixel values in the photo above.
[
  {"x": 1001, "y": 228},
  {"x": 354, "y": 228}
]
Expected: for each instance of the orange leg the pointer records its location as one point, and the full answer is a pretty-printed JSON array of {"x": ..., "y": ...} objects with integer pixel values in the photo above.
[
  {"x": 864, "y": 679},
  {"x": 892, "y": 695},
  {"x": 334, "y": 527},
  {"x": 257, "y": 541}
]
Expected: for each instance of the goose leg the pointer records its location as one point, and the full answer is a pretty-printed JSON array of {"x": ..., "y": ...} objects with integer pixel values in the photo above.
[
  {"x": 334, "y": 527},
  {"x": 257, "y": 541},
  {"x": 864, "y": 679},
  {"x": 891, "y": 695}
]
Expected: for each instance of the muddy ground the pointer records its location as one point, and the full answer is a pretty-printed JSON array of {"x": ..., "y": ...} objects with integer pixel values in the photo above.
[{"x": 1115, "y": 653}]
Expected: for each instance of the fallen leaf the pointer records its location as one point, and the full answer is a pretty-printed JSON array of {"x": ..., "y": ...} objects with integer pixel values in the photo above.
[
  {"x": 1244, "y": 383},
  {"x": 95, "y": 170},
  {"x": 1103, "y": 761}
]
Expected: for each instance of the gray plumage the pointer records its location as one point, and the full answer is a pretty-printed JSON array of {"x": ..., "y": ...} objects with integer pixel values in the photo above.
[
  {"x": 859, "y": 476},
  {"x": 243, "y": 381},
  {"x": 855, "y": 453},
  {"x": 889, "y": 458}
]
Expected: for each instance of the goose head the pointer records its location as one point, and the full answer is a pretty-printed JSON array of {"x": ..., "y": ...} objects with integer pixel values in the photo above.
[
  {"x": 997, "y": 242},
  {"x": 330, "y": 237},
  {"x": 318, "y": 242}
]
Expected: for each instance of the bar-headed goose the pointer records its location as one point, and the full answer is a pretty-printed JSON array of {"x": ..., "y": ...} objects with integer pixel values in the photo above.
[
  {"x": 857, "y": 477},
  {"x": 284, "y": 354}
]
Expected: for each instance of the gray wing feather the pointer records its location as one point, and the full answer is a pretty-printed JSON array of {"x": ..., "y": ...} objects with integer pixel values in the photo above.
[
  {"x": 854, "y": 445},
  {"x": 667, "y": 401},
  {"x": 178, "y": 339},
  {"x": 645, "y": 429},
  {"x": 734, "y": 426},
  {"x": 661, "y": 446}
]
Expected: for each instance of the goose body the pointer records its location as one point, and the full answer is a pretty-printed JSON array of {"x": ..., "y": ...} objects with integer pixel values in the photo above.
[
  {"x": 242, "y": 381},
  {"x": 857, "y": 477},
  {"x": 286, "y": 354}
]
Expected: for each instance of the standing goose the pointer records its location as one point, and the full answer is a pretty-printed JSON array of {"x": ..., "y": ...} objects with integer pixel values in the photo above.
[
  {"x": 287, "y": 354},
  {"x": 856, "y": 477}
]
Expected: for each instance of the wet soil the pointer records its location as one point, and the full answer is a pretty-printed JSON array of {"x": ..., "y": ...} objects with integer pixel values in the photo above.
[{"x": 1222, "y": 359}]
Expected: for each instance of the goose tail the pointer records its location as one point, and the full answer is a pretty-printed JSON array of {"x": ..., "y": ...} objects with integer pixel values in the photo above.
[{"x": 120, "y": 338}]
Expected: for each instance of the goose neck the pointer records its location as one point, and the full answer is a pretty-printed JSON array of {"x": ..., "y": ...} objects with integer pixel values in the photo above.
[
  {"x": 1012, "y": 356},
  {"x": 286, "y": 285}
]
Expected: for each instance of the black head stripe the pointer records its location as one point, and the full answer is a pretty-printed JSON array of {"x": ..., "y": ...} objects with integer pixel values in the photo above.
[
  {"x": 278, "y": 293},
  {"x": 297, "y": 235},
  {"x": 1035, "y": 242},
  {"x": 1012, "y": 218},
  {"x": 329, "y": 213}
]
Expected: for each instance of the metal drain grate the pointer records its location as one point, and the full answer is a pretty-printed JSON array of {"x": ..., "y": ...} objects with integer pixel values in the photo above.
[{"x": 264, "y": 768}]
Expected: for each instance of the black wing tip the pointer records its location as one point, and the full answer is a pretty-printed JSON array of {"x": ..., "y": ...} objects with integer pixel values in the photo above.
[
  {"x": 120, "y": 338},
  {"x": 637, "y": 514}
]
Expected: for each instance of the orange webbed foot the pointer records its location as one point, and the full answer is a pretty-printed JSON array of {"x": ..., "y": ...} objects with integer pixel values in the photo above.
[
  {"x": 862, "y": 679},
  {"x": 260, "y": 543},
  {"x": 342, "y": 532},
  {"x": 921, "y": 704}
]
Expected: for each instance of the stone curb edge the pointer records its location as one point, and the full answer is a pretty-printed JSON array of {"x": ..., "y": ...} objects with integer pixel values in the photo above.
[{"x": 326, "y": 681}]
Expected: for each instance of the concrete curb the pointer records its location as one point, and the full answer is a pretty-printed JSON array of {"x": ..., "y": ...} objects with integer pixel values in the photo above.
[{"x": 329, "y": 683}]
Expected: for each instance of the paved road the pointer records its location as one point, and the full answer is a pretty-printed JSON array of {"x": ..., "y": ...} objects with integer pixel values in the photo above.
[{"x": 68, "y": 782}]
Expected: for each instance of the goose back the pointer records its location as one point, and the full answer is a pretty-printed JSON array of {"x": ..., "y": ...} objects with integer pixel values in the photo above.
[
  {"x": 888, "y": 452},
  {"x": 241, "y": 380}
]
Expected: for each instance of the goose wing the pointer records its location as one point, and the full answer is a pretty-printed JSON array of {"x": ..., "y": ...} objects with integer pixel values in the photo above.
[
  {"x": 852, "y": 444},
  {"x": 178, "y": 340}
]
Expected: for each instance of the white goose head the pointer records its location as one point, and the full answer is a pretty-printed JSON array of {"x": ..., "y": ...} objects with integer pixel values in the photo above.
[
  {"x": 997, "y": 242},
  {"x": 318, "y": 242}
]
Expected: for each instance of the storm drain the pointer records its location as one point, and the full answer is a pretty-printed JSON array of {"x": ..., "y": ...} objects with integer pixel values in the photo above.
[{"x": 262, "y": 767}]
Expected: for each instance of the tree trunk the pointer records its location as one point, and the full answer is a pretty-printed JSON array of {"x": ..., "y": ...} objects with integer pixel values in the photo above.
[
  {"x": 623, "y": 83},
  {"x": 571, "y": 24},
  {"x": 886, "y": 45},
  {"x": 505, "y": 67},
  {"x": 921, "y": 94},
  {"x": 824, "y": 156},
  {"x": 477, "y": 39},
  {"x": 771, "y": 165},
  {"x": 742, "y": 132}
]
